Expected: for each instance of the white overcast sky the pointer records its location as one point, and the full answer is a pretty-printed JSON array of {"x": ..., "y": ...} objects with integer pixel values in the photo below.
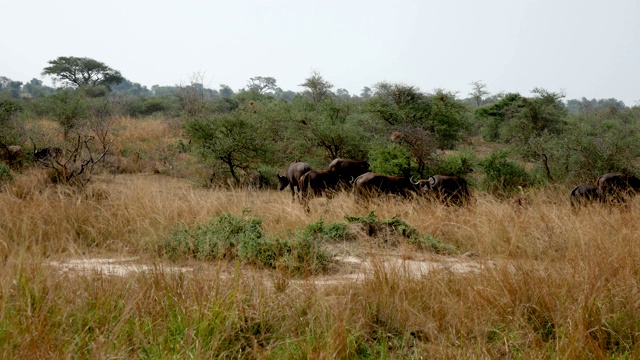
[{"x": 584, "y": 48}]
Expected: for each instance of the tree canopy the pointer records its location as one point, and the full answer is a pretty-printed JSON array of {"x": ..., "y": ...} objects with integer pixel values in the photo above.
[{"x": 82, "y": 71}]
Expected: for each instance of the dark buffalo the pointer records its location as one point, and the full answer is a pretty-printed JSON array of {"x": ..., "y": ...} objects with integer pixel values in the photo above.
[
  {"x": 12, "y": 154},
  {"x": 317, "y": 183},
  {"x": 371, "y": 184},
  {"x": 47, "y": 154},
  {"x": 583, "y": 195},
  {"x": 617, "y": 187},
  {"x": 347, "y": 170},
  {"x": 449, "y": 189},
  {"x": 292, "y": 178}
]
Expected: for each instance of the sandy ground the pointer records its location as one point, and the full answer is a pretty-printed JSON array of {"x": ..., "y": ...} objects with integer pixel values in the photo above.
[{"x": 352, "y": 268}]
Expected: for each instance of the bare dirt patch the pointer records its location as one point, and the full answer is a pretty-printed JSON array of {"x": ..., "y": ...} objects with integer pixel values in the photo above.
[
  {"x": 113, "y": 266},
  {"x": 350, "y": 268}
]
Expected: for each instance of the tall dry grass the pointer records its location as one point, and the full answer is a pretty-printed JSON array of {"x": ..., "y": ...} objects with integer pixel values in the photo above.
[{"x": 554, "y": 283}]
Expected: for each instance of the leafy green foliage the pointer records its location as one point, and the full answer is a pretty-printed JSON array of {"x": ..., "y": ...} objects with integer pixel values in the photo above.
[
  {"x": 402, "y": 228},
  {"x": 318, "y": 89},
  {"x": 68, "y": 108},
  {"x": 502, "y": 175},
  {"x": 5, "y": 173},
  {"x": 83, "y": 71},
  {"x": 448, "y": 120},
  {"x": 493, "y": 116},
  {"x": 431, "y": 243},
  {"x": 222, "y": 238},
  {"x": 332, "y": 232},
  {"x": 9, "y": 109},
  {"x": 459, "y": 164},
  {"x": 231, "y": 139},
  {"x": 439, "y": 113},
  {"x": 140, "y": 106},
  {"x": 392, "y": 159},
  {"x": 231, "y": 237}
]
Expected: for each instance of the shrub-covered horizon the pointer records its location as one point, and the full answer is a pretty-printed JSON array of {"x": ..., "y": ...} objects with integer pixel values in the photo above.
[{"x": 246, "y": 137}]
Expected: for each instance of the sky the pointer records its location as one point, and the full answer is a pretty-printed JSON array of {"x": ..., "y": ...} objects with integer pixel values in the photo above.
[{"x": 581, "y": 48}]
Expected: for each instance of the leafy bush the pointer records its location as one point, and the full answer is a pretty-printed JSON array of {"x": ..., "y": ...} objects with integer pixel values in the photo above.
[
  {"x": 402, "y": 228},
  {"x": 391, "y": 159},
  {"x": 319, "y": 232},
  {"x": 221, "y": 238},
  {"x": 502, "y": 175},
  {"x": 459, "y": 165},
  {"x": 231, "y": 237},
  {"x": 431, "y": 243},
  {"x": 145, "y": 106},
  {"x": 5, "y": 173}
]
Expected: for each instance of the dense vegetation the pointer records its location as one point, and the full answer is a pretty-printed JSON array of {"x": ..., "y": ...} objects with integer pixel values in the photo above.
[
  {"x": 244, "y": 137},
  {"x": 178, "y": 183}
]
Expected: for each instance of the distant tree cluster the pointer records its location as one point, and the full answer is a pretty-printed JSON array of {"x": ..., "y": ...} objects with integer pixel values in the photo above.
[{"x": 399, "y": 129}]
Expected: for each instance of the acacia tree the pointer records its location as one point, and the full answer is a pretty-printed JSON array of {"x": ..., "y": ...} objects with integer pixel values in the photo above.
[
  {"x": 233, "y": 140},
  {"x": 261, "y": 84},
  {"x": 439, "y": 114},
  {"x": 535, "y": 125},
  {"x": 82, "y": 71},
  {"x": 318, "y": 88},
  {"x": 478, "y": 92}
]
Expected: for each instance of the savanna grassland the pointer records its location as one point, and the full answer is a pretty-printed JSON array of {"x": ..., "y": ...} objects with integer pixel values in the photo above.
[{"x": 543, "y": 281}]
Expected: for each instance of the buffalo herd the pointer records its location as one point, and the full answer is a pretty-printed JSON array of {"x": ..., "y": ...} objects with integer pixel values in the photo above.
[
  {"x": 610, "y": 188},
  {"x": 355, "y": 175}
]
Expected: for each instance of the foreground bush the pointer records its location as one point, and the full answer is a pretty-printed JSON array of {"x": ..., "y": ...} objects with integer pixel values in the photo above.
[{"x": 232, "y": 237}]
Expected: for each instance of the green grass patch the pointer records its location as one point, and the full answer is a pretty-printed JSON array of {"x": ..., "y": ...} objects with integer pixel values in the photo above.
[
  {"x": 230, "y": 237},
  {"x": 403, "y": 229}
]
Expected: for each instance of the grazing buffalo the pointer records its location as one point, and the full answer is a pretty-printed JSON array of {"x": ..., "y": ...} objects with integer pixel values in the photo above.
[
  {"x": 47, "y": 154},
  {"x": 583, "y": 195},
  {"x": 12, "y": 154},
  {"x": 370, "y": 184},
  {"x": 292, "y": 178},
  {"x": 449, "y": 189},
  {"x": 317, "y": 183},
  {"x": 617, "y": 187},
  {"x": 347, "y": 169}
]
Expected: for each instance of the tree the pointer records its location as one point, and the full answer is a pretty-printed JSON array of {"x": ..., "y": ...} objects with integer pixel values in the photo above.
[
  {"x": 478, "y": 92},
  {"x": 10, "y": 87},
  {"x": 225, "y": 91},
  {"x": 440, "y": 114},
  {"x": 68, "y": 108},
  {"x": 343, "y": 93},
  {"x": 231, "y": 139},
  {"x": 317, "y": 87},
  {"x": 492, "y": 117},
  {"x": 9, "y": 109},
  {"x": 398, "y": 104},
  {"x": 366, "y": 92},
  {"x": 35, "y": 88},
  {"x": 79, "y": 72},
  {"x": 261, "y": 84}
]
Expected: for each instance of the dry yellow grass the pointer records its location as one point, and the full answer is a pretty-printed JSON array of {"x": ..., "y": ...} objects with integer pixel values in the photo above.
[
  {"x": 553, "y": 282},
  {"x": 561, "y": 283}
]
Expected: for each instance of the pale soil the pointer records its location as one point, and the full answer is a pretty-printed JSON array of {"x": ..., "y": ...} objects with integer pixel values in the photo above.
[{"x": 348, "y": 268}]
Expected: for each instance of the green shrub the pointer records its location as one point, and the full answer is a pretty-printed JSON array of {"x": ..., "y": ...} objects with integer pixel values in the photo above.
[
  {"x": 391, "y": 159},
  {"x": 221, "y": 238},
  {"x": 502, "y": 175},
  {"x": 319, "y": 232},
  {"x": 402, "y": 228},
  {"x": 230, "y": 237},
  {"x": 5, "y": 173},
  {"x": 460, "y": 165},
  {"x": 431, "y": 243}
]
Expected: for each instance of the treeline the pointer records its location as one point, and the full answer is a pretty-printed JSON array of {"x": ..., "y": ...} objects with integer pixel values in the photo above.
[{"x": 249, "y": 135}]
